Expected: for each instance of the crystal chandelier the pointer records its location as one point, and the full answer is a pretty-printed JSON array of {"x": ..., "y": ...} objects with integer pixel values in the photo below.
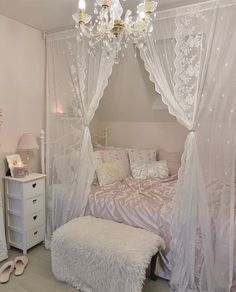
[{"x": 110, "y": 27}]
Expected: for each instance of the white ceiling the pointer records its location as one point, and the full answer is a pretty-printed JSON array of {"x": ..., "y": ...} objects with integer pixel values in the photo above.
[{"x": 50, "y": 15}]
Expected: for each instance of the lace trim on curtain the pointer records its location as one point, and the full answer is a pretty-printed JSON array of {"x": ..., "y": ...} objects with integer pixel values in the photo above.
[
  {"x": 188, "y": 50},
  {"x": 171, "y": 109}
]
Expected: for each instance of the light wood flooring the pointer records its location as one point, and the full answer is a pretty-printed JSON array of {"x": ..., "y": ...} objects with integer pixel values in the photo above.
[{"x": 39, "y": 278}]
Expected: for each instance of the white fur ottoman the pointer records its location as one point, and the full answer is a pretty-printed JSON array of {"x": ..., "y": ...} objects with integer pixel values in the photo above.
[{"x": 97, "y": 255}]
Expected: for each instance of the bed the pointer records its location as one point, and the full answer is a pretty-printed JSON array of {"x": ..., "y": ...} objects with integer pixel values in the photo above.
[
  {"x": 140, "y": 203},
  {"x": 143, "y": 203}
]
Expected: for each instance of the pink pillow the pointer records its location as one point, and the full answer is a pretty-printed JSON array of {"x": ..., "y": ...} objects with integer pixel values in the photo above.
[{"x": 173, "y": 160}]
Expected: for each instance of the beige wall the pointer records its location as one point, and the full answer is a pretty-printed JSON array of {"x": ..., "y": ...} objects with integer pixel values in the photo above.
[
  {"x": 127, "y": 110},
  {"x": 22, "y": 66}
]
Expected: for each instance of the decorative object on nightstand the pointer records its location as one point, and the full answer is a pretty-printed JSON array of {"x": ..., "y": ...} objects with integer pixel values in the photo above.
[
  {"x": 25, "y": 210},
  {"x": 17, "y": 168},
  {"x": 27, "y": 142}
]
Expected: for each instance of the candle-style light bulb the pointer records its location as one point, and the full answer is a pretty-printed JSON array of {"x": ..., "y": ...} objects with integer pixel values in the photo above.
[
  {"x": 82, "y": 5},
  {"x": 142, "y": 15}
]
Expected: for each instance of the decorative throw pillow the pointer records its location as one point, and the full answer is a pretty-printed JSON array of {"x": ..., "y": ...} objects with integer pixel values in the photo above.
[
  {"x": 117, "y": 155},
  {"x": 173, "y": 160},
  {"x": 109, "y": 172},
  {"x": 156, "y": 169},
  {"x": 142, "y": 155}
]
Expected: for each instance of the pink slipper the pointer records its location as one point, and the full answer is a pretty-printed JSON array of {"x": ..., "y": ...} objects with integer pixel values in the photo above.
[
  {"x": 5, "y": 271},
  {"x": 20, "y": 264}
]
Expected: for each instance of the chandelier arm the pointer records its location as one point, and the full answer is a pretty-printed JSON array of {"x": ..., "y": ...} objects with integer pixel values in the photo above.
[{"x": 89, "y": 33}]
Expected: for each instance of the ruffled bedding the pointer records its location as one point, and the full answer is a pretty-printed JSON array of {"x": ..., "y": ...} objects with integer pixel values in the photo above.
[{"x": 140, "y": 203}]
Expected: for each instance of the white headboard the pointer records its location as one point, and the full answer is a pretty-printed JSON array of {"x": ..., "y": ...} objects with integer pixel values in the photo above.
[{"x": 100, "y": 140}]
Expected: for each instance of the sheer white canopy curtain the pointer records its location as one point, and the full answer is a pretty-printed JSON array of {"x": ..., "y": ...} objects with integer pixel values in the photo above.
[
  {"x": 75, "y": 83},
  {"x": 191, "y": 59},
  {"x": 3, "y": 246}
]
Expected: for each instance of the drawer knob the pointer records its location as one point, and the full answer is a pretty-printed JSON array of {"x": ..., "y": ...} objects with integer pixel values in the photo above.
[
  {"x": 36, "y": 232},
  {"x": 35, "y": 217},
  {"x": 34, "y": 185},
  {"x": 34, "y": 201}
]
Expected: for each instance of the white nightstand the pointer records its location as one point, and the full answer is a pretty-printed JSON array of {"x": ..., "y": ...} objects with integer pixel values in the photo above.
[{"x": 25, "y": 210}]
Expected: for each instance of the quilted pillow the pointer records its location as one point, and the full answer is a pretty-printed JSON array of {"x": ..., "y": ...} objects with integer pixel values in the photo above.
[
  {"x": 142, "y": 155},
  {"x": 117, "y": 155},
  {"x": 156, "y": 169},
  {"x": 109, "y": 172},
  {"x": 173, "y": 160}
]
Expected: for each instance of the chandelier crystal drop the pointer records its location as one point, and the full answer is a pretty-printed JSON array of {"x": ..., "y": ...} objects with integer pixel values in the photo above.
[{"x": 111, "y": 27}]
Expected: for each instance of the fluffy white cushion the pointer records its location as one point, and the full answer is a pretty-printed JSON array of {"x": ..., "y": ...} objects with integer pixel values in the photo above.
[
  {"x": 156, "y": 169},
  {"x": 109, "y": 172},
  {"x": 94, "y": 254}
]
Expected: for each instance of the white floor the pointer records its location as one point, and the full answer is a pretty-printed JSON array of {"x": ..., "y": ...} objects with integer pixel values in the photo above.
[{"x": 39, "y": 278}]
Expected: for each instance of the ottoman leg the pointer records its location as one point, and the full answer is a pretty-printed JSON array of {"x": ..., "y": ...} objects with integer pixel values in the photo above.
[{"x": 152, "y": 276}]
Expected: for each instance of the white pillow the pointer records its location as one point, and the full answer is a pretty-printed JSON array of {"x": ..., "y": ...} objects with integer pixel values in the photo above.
[
  {"x": 117, "y": 154},
  {"x": 111, "y": 155},
  {"x": 142, "y": 156},
  {"x": 156, "y": 169},
  {"x": 109, "y": 172}
]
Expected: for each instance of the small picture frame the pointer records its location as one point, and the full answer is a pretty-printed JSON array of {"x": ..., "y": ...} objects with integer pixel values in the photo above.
[{"x": 13, "y": 161}]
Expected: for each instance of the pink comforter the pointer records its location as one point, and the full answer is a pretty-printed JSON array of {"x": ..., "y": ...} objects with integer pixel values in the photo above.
[{"x": 141, "y": 203}]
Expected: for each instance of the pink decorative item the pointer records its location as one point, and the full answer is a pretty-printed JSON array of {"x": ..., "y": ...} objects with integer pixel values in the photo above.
[
  {"x": 27, "y": 142},
  {"x": 19, "y": 170}
]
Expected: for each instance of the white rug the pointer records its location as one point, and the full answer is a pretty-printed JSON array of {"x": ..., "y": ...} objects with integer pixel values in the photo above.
[{"x": 97, "y": 255}]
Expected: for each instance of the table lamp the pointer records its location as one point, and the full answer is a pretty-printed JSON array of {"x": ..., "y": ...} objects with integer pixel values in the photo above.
[{"x": 27, "y": 142}]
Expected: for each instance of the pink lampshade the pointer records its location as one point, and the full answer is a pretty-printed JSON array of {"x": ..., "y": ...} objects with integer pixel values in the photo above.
[{"x": 27, "y": 142}]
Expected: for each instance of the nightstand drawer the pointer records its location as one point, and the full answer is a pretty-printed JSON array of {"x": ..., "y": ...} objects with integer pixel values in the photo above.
[
  {"x": 34, "y": 204},
  {"x": 33, "y": 188},
  {"x": 35, "y": 236},
  {"x": 31, "y": 221},
  {"x": 35, "y": 220}
]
